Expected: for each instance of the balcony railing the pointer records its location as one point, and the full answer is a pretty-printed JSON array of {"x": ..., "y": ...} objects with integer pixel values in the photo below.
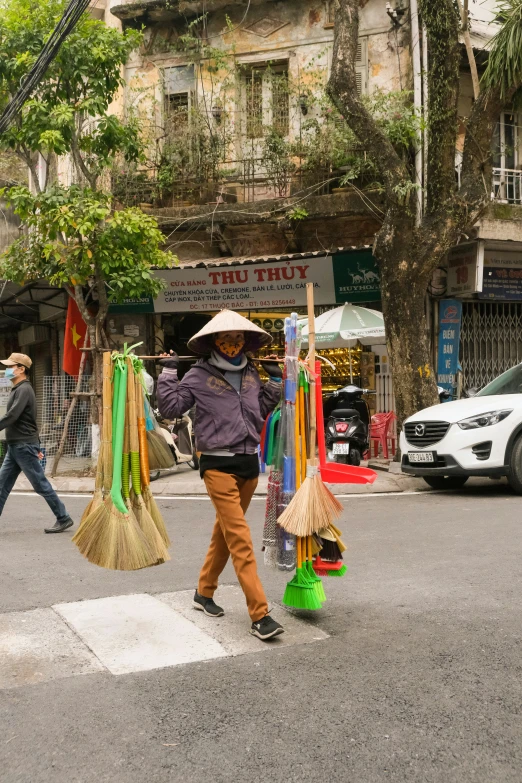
[{"x": 506, "y": 186}]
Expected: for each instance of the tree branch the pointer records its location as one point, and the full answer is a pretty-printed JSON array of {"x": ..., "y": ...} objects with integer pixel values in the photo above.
[
  {"x": 342, "y": 90},
  {"x": 78, "y": 160},
  {"x": 463, "y": 6},
  {"x": 442, "y": 27}
]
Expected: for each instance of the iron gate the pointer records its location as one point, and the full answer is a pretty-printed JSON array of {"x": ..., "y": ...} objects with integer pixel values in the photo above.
[{"x": 491, "y": 340}]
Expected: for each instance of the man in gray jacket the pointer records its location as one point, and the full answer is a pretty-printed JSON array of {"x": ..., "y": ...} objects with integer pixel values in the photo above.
[{"x": 23, "y": 442}]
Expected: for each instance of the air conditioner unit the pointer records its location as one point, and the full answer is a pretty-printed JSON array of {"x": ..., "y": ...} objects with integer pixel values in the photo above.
[{"x": 33, "y": 334}]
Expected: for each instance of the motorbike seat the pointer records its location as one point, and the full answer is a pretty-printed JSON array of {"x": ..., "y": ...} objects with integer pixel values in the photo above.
[{"x": 343, "y": 413}]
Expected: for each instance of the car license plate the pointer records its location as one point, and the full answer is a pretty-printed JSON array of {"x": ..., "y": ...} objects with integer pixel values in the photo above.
[
  {"x": 422, "y": 456},
  {"x": 341, "y": 448}
]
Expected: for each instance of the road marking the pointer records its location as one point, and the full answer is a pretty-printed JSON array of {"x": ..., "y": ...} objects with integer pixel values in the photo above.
[
  {"x": 132, "y": 633},
  {"x": 205, "y": 498},
  {"x": 231, "y": 631},
  {"x": 38, "y": 646}
]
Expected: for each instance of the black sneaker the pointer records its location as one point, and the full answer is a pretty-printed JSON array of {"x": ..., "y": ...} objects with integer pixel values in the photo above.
[
  {"x": 266, "y": 628},
  {"x": 207, "y": 605},
  {"x": 59, "y": 527}
]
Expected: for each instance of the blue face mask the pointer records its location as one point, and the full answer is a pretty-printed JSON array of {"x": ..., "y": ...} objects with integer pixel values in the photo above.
[{"x": 9, "y": 373}]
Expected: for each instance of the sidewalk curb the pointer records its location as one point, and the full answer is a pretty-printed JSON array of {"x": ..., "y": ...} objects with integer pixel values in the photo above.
[{"x": 178, "y": 484}]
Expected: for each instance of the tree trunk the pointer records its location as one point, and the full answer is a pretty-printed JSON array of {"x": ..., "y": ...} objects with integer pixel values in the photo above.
[{"x": 407, "y": 339}]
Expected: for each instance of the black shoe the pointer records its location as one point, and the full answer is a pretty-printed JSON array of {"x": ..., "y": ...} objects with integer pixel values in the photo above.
[
  {"x": 207, "y": 605},
  {"x": 59, "y": 527},
  {"x": 266, "y": 628}
]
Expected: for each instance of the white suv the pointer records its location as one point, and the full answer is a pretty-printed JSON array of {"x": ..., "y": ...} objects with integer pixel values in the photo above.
[{"x": 479, "y": 436}]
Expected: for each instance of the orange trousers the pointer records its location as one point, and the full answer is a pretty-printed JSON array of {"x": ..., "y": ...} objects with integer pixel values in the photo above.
[{"x": 231, "y": 497}]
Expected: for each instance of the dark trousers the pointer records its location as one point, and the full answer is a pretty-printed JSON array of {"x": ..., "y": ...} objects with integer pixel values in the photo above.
[{"x": 23, "y": 458}]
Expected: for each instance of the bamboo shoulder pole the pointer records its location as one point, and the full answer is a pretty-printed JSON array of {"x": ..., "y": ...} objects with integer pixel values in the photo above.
[{"x": 311, "y": 368}]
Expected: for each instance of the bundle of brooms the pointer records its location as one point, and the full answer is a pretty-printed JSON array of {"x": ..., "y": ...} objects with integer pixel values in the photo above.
[
  {"x": 116, "y": 532},
  {"x": 313, "y": 506}
]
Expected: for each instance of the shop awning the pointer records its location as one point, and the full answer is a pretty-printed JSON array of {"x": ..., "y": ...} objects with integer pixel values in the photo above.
[{"x": 207, "y": 263}]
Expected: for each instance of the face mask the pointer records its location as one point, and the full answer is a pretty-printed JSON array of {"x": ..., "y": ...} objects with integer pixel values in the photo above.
[
  {"x": 9, "y": 373},
  {"x": 230, "y": 349}
]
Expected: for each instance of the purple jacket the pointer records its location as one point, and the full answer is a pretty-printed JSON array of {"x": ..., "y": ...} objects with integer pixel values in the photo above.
[{"x": 224, "y": 418}]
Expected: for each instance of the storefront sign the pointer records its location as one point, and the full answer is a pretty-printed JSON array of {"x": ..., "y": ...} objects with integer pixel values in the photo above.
[
  {"x": 450, "y": 316},
  {"x": 143, "y": 305},
  {"x": 502, "y": 275},
  {"x": 465, "y": 263},
  {"x": 246, "y": 287},
  {"x": 356, "y": 276}
]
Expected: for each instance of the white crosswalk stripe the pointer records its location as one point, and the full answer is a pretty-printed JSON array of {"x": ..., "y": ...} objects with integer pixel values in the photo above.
[{"x": 131, "y": 633}]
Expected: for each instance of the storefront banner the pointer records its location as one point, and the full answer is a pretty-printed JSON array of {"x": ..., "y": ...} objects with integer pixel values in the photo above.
[
  {"x": 465, "y": 264},
  {"x": 356, "y": 276},
  {"x": 502, "y": 275},
  {"x": 246, "y": 287},
  {"x": 450, "y": 316},
  {"x": 143, "y": 305}
]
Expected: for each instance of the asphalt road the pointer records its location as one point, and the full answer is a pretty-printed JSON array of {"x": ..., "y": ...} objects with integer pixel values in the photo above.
[{"x": 420, "y": 679}]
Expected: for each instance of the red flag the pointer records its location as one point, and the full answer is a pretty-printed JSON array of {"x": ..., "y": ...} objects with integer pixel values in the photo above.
[{"x": 75, "y": 331}]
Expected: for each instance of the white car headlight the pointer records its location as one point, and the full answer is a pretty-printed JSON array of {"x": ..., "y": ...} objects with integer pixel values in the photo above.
[{"x": 484, "y": 420}]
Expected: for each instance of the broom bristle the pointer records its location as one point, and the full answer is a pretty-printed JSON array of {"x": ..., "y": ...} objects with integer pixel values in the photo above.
[
  {"x": 155, "y": 513},
  {"x": 92, "y": 505},
  {"x": 150, "y": 530},
  {"x": 300, "y": 593},
  {"x": 312, "y": 508},
  {"x": 160, "y": 456},
  {"x": 111, "y": 539},
  {"x": 337, "y": 572},
  {"x": 330, "y": 551}
]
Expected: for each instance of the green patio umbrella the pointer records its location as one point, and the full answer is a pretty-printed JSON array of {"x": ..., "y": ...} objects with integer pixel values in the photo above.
[{"x": 346, "y": 326}]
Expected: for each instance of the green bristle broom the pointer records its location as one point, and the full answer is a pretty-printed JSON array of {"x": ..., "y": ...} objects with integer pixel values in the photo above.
[
  {"x": 312, "y": 576},
  {"x": 300, "y": 592}
]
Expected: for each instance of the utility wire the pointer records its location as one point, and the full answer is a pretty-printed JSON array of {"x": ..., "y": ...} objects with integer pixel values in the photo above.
[{"x": 65, "y": 26}]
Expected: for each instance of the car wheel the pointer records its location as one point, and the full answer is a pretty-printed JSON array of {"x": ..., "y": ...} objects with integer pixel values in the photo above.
[
  {"x": 445, "y": 482},
  {"x": 514, "y": 473}
]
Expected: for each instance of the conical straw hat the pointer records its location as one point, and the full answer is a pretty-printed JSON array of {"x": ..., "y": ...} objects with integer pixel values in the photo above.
[{"x": 229, "y": 321}]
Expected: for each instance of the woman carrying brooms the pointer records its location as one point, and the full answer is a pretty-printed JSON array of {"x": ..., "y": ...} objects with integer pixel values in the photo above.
[{"x": 231, "y": 407}]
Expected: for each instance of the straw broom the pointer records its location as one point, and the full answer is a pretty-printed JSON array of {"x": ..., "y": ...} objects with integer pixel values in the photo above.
[
  {"x": 313, "y": 506},
  {"x": 104, "y": 466},
  {"x": 145, "y": 521},
  {"x": 112, "y": 538},
  {"x": 148, "y": 498},
  {"x": 97, "y": 498}
]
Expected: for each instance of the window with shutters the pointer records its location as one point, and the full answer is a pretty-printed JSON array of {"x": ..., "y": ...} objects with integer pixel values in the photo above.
[
  {"x": 328, "y": 13},
  {"x": 177, "y": 97},
  {"x": 266, "y": 99},
  {"x": 361, "y": 66}
]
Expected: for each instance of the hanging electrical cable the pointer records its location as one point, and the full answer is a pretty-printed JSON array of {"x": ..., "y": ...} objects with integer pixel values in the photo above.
[{"x": 64, "y": 28}]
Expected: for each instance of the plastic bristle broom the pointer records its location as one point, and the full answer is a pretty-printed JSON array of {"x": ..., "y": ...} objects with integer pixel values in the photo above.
[
  {"x": 300, "y": 592},
  {"x": 312, "y": 576}
]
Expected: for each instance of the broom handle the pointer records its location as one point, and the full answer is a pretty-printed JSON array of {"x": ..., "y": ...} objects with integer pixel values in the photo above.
[
  {"x": 303, "y": 431},
  {"x": 297, "y": 440},
  {"x": 142, "y": 437},
  {"x": 311, "y": 367},
  {"x": 298, "y": 542}
]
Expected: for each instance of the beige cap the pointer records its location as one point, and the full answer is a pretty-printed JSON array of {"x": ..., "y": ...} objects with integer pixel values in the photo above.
[
  {"x": 17, "y": 358},
  {"x": 229, "y": 321}
]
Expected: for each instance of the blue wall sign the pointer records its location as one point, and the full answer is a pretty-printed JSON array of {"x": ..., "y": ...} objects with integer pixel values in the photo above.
[{"x": 450, "y": 316}]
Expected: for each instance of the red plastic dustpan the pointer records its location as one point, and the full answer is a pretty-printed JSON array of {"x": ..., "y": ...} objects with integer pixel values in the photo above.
[{"x": 332, "y": 472}]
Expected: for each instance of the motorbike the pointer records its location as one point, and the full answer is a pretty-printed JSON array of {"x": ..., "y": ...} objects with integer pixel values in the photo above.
[
  {"x": 444, "y": 394},
  {"x": 347, "y": 424},
  {"x": 179, "y": 435}
]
